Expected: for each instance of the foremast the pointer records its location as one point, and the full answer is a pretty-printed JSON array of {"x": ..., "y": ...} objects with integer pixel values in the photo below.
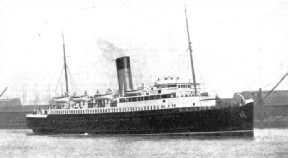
[
  {"x": 65, "y": 67},
  {"x": 190, "y": 49}
]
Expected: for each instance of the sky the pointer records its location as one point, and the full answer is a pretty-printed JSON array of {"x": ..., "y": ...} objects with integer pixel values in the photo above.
[{"x": 237, "y": 45}]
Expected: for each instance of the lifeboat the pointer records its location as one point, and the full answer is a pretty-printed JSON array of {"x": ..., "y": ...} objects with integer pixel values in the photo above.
[
  {"x": 107, "y": 96},
  {"x": 133, "y": 92},
  {"x": 61, "y": 99},
  {"x": 103, "y": 96},
  {"x": 80, "y": 98}
]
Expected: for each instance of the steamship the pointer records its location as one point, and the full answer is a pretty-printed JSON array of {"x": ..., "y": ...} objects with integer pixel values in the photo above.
[{"x": 172, "y": 106}]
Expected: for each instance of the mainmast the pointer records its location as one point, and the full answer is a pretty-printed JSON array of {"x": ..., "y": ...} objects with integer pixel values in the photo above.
[
  {"x": 190, "y": 49},
  {"x": 65, "y": 67}
]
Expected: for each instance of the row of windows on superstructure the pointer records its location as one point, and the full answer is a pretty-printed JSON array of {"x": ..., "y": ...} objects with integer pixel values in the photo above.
[
  {"x": 150, "y": 97},
  {"x": 174, "y": 85},
  {"x": 153, "y": 97},
  {"x": 93, "y": 111},
  {"x": 184, "y": 86}
]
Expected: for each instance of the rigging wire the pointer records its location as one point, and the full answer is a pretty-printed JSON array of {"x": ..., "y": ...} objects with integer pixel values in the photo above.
[
  {"x": 59, "y": 80},
  {"x": 272, "y": 82},
  {"x": 281, "y": 79},
  {"x": 72, "y": 80},
  {"x": 181, "y": 63},
  {"x": 200, "y": 76},
  {"x": 177, "y": 67},
  {"x": 173, "y": 66},
  {"x": 276, "y": 85}
]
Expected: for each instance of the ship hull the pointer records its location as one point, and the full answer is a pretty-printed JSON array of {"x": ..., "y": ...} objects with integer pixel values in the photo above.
[{"x": 231, "y": 121}]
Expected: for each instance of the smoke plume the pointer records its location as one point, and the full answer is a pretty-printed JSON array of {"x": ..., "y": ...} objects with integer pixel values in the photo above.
[{"x": 109, "y": 50}]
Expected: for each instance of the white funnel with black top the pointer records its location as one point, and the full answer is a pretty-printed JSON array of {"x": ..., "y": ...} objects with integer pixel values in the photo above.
[{"x": 124, "y": 74}]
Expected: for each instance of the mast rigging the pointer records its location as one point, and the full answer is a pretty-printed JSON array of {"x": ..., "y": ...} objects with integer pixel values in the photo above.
[
  {"x": 65, "y": 67},
  {"x": 190, "y": 49}
]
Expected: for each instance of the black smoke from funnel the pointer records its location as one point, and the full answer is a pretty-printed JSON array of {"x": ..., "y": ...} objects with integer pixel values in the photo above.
[{"x": 109, "y": 50}]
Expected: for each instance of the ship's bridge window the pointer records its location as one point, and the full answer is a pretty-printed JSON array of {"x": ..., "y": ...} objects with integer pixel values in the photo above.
[
  {"x": 146, "y": 98},
  {"x": 130, "y": 99}
]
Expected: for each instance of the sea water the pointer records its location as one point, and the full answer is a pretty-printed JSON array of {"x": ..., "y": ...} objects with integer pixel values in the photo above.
[{"x": 23, "y": 143}]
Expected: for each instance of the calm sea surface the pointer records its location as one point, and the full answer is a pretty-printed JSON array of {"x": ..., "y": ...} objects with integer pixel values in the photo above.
[{"x": 23, "y": 143}]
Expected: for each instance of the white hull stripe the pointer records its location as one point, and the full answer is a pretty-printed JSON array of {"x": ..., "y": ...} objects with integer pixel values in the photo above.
[{"x": 36, "y": 116}]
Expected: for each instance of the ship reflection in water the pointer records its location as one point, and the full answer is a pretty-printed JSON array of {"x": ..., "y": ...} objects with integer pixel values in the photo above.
[{"x": 24, "y": 143}]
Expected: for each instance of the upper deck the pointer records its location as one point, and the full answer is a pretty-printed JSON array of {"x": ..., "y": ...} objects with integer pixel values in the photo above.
[{"x": 168, "y": 92}]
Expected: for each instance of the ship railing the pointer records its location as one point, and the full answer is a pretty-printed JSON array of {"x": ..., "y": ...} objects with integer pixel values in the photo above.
[
  {"x": 109, "y": 109},
  {"x": 128, "y": 109}
]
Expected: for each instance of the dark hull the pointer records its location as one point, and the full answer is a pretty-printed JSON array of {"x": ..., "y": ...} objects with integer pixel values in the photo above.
[
  {"x": 197, "y": 121},
  {"x": 264, "y": 117}
]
